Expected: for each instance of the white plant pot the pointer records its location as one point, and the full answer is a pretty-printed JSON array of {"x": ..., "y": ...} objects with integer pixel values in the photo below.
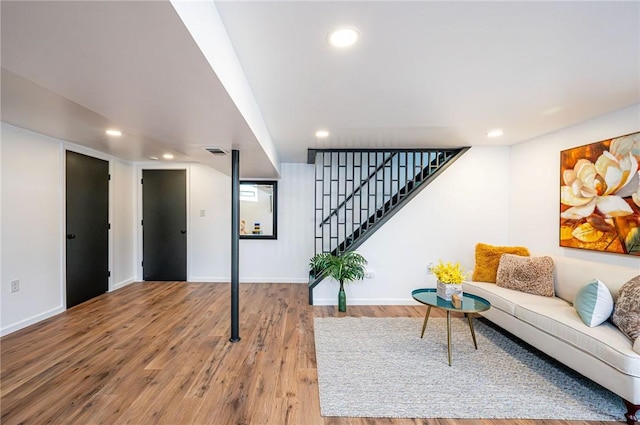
[{"x": 445, "y": 290}]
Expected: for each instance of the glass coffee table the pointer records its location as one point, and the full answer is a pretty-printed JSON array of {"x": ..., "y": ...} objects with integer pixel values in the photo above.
[{"x": 470, "y": 304}]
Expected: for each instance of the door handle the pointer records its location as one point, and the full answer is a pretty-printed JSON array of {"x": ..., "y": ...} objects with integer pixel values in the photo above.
[
  {"x": 183, "y": 231},
  {"x": 71, "y": 236}
]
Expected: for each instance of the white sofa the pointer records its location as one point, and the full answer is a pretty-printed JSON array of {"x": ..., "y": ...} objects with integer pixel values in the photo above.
[{"x": 551, "y": 324}]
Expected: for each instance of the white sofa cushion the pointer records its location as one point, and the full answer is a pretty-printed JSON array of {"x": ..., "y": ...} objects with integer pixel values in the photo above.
[
  {"x": 571, "y": 274},
  {"x": 594, "y": 303},
  {"x": 604, "y": 342},
  {"x": 506, "y": 299}
]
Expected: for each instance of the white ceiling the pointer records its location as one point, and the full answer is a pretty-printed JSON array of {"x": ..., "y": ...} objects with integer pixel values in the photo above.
[
  {"x": 73, "y": 69},
  {"x": 423, "y": 74}
]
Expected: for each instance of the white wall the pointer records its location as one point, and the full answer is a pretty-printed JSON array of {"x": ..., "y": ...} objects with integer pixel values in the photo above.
[
  {"x": 497, "y": 195},
  {"x": 32, "y": 220},
  {"x": 33, "y": 223},
  {"x": 209, "y": 237},
  {"x": 534, "y": 195},
  {"x": 285, "y": 259},
  {"x": 466, "y": 204},
  {"x": 123, "y": 220},
  {"x": 502, "y": 196}
]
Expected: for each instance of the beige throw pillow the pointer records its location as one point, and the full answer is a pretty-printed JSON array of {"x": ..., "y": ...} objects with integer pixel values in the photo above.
[
  {"x": 626, "y": 313},
  {"x": 533, "y": 275}
]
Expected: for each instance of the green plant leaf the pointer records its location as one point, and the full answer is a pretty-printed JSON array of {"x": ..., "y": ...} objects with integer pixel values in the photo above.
[{"x": 344, "y": 268}]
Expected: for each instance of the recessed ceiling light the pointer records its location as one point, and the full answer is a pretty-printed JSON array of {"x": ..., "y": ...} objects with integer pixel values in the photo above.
[
  {"x": 153, "y": 158},
  {"x": 167, "y": 156},
  {"x": 322, "y": 134},
  {"x": 115, "y": 133},
  {"x": 495, "y": 133},
  {"x": 343, "y": 37}
]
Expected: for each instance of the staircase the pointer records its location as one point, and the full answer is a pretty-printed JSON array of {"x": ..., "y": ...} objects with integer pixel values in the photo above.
[{"x": 357, "y": 191}]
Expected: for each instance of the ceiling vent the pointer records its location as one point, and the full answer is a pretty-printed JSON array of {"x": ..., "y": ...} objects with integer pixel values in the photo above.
[{"x": 214, "y": 150}]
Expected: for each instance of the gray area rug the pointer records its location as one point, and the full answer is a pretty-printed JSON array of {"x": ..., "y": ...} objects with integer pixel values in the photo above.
[{"x": 380, "y": 368}]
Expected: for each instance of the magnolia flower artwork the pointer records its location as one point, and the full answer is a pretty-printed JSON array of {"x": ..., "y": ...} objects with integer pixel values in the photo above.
[{"x": 600, "y": 196}]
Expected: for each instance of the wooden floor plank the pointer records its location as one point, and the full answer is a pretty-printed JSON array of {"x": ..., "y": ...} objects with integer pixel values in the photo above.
[{"x": 159, "y": 353}]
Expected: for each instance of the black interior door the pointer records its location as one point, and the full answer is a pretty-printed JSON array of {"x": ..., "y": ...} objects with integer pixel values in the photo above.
[
  {"x": 87, "y": 218},
  {"x": 164, "y": 224}
]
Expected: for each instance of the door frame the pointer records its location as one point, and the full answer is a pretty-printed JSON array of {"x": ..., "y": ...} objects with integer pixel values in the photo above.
[
  {"x": 139, "y": 239},
  {"x": 66, "y": 146}
]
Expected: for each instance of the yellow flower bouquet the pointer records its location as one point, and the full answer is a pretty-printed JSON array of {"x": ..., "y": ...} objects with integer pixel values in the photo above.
[{"x": 449, "y": 273}]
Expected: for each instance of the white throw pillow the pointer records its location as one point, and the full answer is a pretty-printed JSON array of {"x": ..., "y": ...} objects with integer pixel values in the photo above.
[
  {"x": 636, "y": 346},
  {"x": 594, "y": 303}
]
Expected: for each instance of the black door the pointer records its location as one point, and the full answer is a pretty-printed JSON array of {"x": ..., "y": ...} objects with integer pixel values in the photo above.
[
  {"x": 87, "y": 193},
  {"x": 164, "y": 224}
]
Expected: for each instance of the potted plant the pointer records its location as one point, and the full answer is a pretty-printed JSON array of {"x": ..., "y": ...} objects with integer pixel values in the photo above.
[
  {"x": 450, "y": 277},
  {"x": 343, "y": 268}
]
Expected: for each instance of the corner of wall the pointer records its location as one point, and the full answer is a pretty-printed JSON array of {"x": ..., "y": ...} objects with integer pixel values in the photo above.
[{"x": 534, "y": 185}]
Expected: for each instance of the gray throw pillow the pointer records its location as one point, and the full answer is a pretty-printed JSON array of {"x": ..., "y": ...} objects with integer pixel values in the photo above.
[{"x": 626, "y": 313}]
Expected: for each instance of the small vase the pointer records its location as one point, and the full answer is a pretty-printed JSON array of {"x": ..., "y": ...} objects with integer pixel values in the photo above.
[
  {"x": 445, "y": 290},
  {"x": 342, "y": 299}
]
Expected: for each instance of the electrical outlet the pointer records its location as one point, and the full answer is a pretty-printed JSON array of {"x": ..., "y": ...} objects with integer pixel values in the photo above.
[
  {"x": 369, "y": 274},
  {"x": 203, "y": 212},
  {"x": 15, "y": 285}
]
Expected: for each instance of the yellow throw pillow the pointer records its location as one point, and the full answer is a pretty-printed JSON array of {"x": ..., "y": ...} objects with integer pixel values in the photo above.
[{"x": 488, "y": 259}]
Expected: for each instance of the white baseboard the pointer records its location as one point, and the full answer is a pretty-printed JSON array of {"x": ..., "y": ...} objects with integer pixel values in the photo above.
[
  {"x": 123, "y": 283},
  {"x": 274, "y": 280},
  {"x": 31, "y": 320},
  {"x": 218, "y": 279},
  {"x": 208, "y": 279},
  {"x": 366, "y": 301}
]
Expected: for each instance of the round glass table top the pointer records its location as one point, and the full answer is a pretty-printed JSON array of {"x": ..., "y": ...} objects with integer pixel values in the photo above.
[{"x": 470, "y": 303}]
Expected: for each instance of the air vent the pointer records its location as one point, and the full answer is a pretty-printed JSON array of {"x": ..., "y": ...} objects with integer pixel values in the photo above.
[{"x": 214, "y": 150}]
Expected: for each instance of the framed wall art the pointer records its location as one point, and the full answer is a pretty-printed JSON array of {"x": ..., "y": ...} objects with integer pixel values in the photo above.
[{"x": 600, "y": 196}]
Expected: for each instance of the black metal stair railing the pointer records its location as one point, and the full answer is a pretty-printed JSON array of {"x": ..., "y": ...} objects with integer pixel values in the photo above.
[{"x": 356, "y": 191}]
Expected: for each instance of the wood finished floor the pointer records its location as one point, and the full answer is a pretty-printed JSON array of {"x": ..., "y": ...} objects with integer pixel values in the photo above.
[{"x": 159, "y": 353}]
